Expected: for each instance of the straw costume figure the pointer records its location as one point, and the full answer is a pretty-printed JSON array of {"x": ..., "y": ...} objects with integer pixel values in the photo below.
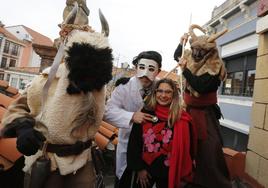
[{"x": 203, "y": 71}]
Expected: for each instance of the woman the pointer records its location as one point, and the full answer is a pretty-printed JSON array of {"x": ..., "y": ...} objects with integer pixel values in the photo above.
[{"x": 159, "y": 150}]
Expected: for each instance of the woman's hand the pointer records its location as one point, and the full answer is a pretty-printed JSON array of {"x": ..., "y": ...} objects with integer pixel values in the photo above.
[
  {"x": 182, "y": 63},
  {"x": 143, "y": 178}
]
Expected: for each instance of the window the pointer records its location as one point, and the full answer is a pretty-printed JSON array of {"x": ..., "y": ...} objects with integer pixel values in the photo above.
[
  {"x": 8, "y": 77},
  {"x": 6, "y": 47},
  {"x": 233, "y": 83},
  {"x": 4, "y": 62},
  {"x": 1, "y": 39},
  {"x": 250, "y": 82},
  {"x": 240, "y": 75},
  {"x": 21, "y": 84},
  {"x": 15, "y": 50},
  {"x": 13, "y": 82},
  {"x": 1, "y": 76},
  {"x": 12, "y": 63}
]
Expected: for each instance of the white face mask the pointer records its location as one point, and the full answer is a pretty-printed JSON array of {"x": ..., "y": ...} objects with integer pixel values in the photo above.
[{"x": 148, "y": 68}]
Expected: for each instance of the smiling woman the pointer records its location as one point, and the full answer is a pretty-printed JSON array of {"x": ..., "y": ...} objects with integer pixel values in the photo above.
[
  {"x": 164, "y": 94},
  {"x": 159, "y": 149}
]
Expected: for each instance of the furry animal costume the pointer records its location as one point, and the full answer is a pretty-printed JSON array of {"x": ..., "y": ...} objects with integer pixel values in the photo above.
[
  {"x": 204, "y": 73},
  {"x": 74, "y": 106},
  {"x": 210, "y": 63}
]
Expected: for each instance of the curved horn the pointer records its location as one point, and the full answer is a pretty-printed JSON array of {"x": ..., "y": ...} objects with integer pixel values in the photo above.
[
  {"x": 104, "y": 24},
  {"x": 213, "y": 37},
  {"x": 191, "y": 30},
  {"x": 70, "y": 18}
]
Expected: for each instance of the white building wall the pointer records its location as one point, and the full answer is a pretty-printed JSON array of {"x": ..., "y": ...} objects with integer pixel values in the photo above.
[
  {"x": 22, "y": 34},
  {"x": 19, "y": 32},
  {"x": 242, "y": 45},
  {"x": 262, "y": 25}
]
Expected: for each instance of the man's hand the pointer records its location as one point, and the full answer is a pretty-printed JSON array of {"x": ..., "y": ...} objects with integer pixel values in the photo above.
[
  {"x": 182, "y": 63},
  {"x": 139, "y": 117},
  {"x": 184, "y": 37},
  {"x": 143, "y": 178},
  {"x": 29, "y": 140}
]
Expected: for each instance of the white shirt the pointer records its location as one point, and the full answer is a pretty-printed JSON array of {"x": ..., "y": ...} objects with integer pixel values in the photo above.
[{"x": 125, "y": 100}]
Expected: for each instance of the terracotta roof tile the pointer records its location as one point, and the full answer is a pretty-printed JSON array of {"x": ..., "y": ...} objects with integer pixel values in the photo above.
[
  {"x": 16, "y": 96},
  {"x": 12, "y": 90},
  {"x": 8, "y": 90},
  {"x": 235, "y": 162},
  {"x": 2, "y": 112},
  {"x": 11, "y": 153},
  {"x": 3, "y": 84},
  {"x": 5, "y": 100},
  {"x": 8, "y": 151},
  {"x": 38, "y": 38},
  {"x": 106, "y": 133}
]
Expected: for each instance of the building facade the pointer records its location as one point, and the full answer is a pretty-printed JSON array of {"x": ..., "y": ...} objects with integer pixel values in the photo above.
[
  {"x": 19, "y": 62},
  {"x": 257, "y": 154},
  {"x": 10, "y": 50},
  {"x": 238, "y": 49},
  {"x": 30, "y": 37}
]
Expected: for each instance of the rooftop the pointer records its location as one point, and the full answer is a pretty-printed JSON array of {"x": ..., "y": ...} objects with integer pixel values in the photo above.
[
  {"x": 8, "y": 35},
  {"x": 38, "y": 38},
  {"x": 8, "y": 155}
]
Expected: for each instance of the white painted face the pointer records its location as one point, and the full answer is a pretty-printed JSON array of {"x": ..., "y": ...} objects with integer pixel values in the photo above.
[{"x": 148, "y": 68}]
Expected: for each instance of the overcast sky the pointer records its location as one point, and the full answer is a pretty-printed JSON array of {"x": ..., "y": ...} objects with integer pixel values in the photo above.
[{"x": 135, "y": 25}]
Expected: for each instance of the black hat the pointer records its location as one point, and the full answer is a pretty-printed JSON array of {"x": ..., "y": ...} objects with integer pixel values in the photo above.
[{"x": 153, "y": 55}]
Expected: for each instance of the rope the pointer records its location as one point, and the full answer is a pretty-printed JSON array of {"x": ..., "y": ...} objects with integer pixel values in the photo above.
[{"x": 180, "y": 76}]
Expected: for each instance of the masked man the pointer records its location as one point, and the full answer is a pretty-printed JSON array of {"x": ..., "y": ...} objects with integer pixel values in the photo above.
[
  {"x": 204, "y": 70},
  {"x": 125, "y": 104},
  {"x": 65, "y": 120}
]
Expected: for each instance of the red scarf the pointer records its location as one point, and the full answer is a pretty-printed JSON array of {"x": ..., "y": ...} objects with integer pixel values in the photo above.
[
  {"x": 180, "y": 160},
  {"x": 163, "y": 149},
  {"x": 162, "y": 112},
  {"x": 180, "y": 163}
]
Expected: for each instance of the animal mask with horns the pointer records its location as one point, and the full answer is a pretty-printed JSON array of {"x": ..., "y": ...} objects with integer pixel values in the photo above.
[
  {"x": 87, "y": 53},
  {"x": 203, "y": 56}
]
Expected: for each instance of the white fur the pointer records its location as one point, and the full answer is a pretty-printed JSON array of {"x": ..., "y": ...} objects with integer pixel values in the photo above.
[
  {"x": 66, "y": 118},
  {"x": 95, "y": 39}
]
